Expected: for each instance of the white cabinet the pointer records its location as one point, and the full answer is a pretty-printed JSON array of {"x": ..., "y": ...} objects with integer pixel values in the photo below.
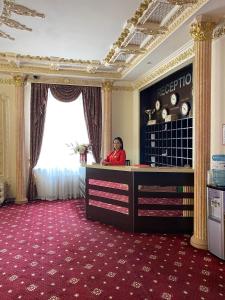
[{"x": 215, "y": 220}]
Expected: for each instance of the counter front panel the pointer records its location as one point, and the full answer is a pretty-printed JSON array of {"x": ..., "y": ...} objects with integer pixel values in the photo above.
[{"x": 138, "y": 200}]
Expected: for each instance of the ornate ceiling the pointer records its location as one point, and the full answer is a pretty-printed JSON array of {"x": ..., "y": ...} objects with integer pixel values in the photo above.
[
  {"x": 146, "y": 29},
  {"x": 7, "y": 9}
]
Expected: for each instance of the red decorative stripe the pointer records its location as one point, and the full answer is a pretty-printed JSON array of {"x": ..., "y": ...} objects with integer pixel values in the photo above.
[
  {"x": 160, "y": 213},
  {"x": 113, "y": 185},
  {"x": 122, "y": 210},
  {"x": 164, "y": 201},
  {"x": 114, "y": 196}
]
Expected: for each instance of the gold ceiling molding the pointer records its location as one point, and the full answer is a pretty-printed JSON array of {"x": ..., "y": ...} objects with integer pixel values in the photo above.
[
  {"x": 9, "y": 7},
  {"x": 119, "y": 64},
  {"x": 151, "y": 28},
  {"x": 134, "y": 20},
  {"x": 202, "y": 31},
  {"x": 70, "y": 81},
  {"x": 161, "y": 70},
  {"x": 131, "y": 49},
  {"x": 30, "y": 58},
  {"x": 67, "y": 81},
  {"x": 117, "y": 44},
  {"x": 182, "y": 14},
  {"x": 12, "y": 68},
  {"x": 182, "y": 2}
]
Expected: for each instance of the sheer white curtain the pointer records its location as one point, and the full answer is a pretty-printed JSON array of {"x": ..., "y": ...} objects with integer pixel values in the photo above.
[{"x": 57, "y": 171}]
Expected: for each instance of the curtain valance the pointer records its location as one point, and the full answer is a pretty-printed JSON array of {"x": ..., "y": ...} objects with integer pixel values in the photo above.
[{"x": 65, "y": 93}]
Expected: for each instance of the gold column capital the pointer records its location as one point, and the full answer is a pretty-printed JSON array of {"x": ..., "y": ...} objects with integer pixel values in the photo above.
[
  {"x": 202, "y": 30},
  {"x": 18, "y": 80},
  {"x": 107, "y": 86}
]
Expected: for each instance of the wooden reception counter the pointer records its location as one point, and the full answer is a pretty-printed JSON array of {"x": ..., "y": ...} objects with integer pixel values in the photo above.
[{"x": 141, "y": 199}]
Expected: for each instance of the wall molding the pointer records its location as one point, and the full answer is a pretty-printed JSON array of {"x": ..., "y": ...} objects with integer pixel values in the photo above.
[
  {"x": 8, "y": 81},
  {"x": 123, "y": 88},
  {"x": 4, "y": 133}
]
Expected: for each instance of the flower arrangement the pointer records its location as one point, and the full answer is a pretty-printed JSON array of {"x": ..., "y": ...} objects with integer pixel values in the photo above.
[{"x": 79, "y": 148}]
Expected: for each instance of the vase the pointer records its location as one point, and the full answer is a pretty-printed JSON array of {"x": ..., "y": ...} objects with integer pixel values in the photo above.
[{"x": 83, "y": 158}]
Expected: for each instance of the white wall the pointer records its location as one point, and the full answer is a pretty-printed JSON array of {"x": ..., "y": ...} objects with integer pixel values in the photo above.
[
  {"x": 125, "y": 121},
  {"x": 218, "y": 95}
]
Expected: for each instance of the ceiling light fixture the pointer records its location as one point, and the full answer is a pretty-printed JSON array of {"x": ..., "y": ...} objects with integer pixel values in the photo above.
[{"x": 9, "y": 7}]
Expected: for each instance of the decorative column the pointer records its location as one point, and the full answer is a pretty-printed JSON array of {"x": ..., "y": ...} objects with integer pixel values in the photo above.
[
  {"x": 20, "y": 141},
  {"x": 107, "y": 118},
  {"x": 201, "y": 31}
]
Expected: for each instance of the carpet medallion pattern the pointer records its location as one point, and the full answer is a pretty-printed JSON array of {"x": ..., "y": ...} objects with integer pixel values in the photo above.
[{"x": 49, "y": 251}]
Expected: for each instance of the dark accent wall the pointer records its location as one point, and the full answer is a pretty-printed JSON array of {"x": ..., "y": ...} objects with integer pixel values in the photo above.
[{"x": 180, "y": 83}]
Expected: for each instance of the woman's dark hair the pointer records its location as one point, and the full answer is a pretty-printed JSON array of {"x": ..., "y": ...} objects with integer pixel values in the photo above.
[{"x": 120, "y": 140}]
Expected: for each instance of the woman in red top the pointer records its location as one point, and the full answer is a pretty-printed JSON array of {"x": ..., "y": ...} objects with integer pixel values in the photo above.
[{"x": 118, "y": 156}]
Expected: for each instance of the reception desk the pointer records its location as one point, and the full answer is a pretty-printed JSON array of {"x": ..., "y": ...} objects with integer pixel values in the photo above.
[{"x": 140, "y": 199}]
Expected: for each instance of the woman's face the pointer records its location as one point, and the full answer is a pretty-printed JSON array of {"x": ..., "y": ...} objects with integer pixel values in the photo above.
[{"x": 116, "y": 144}]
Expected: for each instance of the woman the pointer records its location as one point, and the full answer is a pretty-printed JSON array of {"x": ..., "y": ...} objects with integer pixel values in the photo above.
[{"x": 118, "y": 156}]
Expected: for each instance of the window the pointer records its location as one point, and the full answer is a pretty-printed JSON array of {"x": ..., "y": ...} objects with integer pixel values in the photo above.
[
  {"x": 57, "y": 171},
  {"x": 64, "y": 124}
]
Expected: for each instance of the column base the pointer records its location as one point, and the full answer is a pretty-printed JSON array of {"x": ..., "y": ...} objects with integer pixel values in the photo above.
[
  {"x": 21, "y": 201},
  {"x": 199, "y": 244}
]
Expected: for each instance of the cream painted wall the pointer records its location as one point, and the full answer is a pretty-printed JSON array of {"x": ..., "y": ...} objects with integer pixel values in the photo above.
[
  {"x": 218, "y": 96},
  {"x": 8, "y": 137},
  {"x": 125, "y": 121},
  {"x": 27, "y": 95}
]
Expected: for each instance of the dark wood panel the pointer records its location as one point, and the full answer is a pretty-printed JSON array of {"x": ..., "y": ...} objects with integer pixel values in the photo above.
[
  {"x": 122, "y": 221},
  {"x": 164, "y": 178},
  {"x": 109, "y": 175},
  {"x": 166, "y": 206},
  {"x": 164, "y": 224}
]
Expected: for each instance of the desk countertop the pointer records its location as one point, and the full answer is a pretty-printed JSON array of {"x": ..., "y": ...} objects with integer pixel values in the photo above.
[{"x": 143, "y": 169}]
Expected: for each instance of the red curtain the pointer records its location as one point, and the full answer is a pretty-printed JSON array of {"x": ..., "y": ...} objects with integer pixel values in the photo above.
[
  {"x": 65, "y": 93},
  {"x": 39, "y": 97},
  {"x": 93, "y": 117}
]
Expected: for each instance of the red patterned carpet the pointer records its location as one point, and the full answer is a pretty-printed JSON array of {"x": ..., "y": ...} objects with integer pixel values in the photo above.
[{"x": 49, "y": 251}]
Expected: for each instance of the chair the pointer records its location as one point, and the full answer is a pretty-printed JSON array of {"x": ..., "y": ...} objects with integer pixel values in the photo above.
[{"x": 127, "y": 162}]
